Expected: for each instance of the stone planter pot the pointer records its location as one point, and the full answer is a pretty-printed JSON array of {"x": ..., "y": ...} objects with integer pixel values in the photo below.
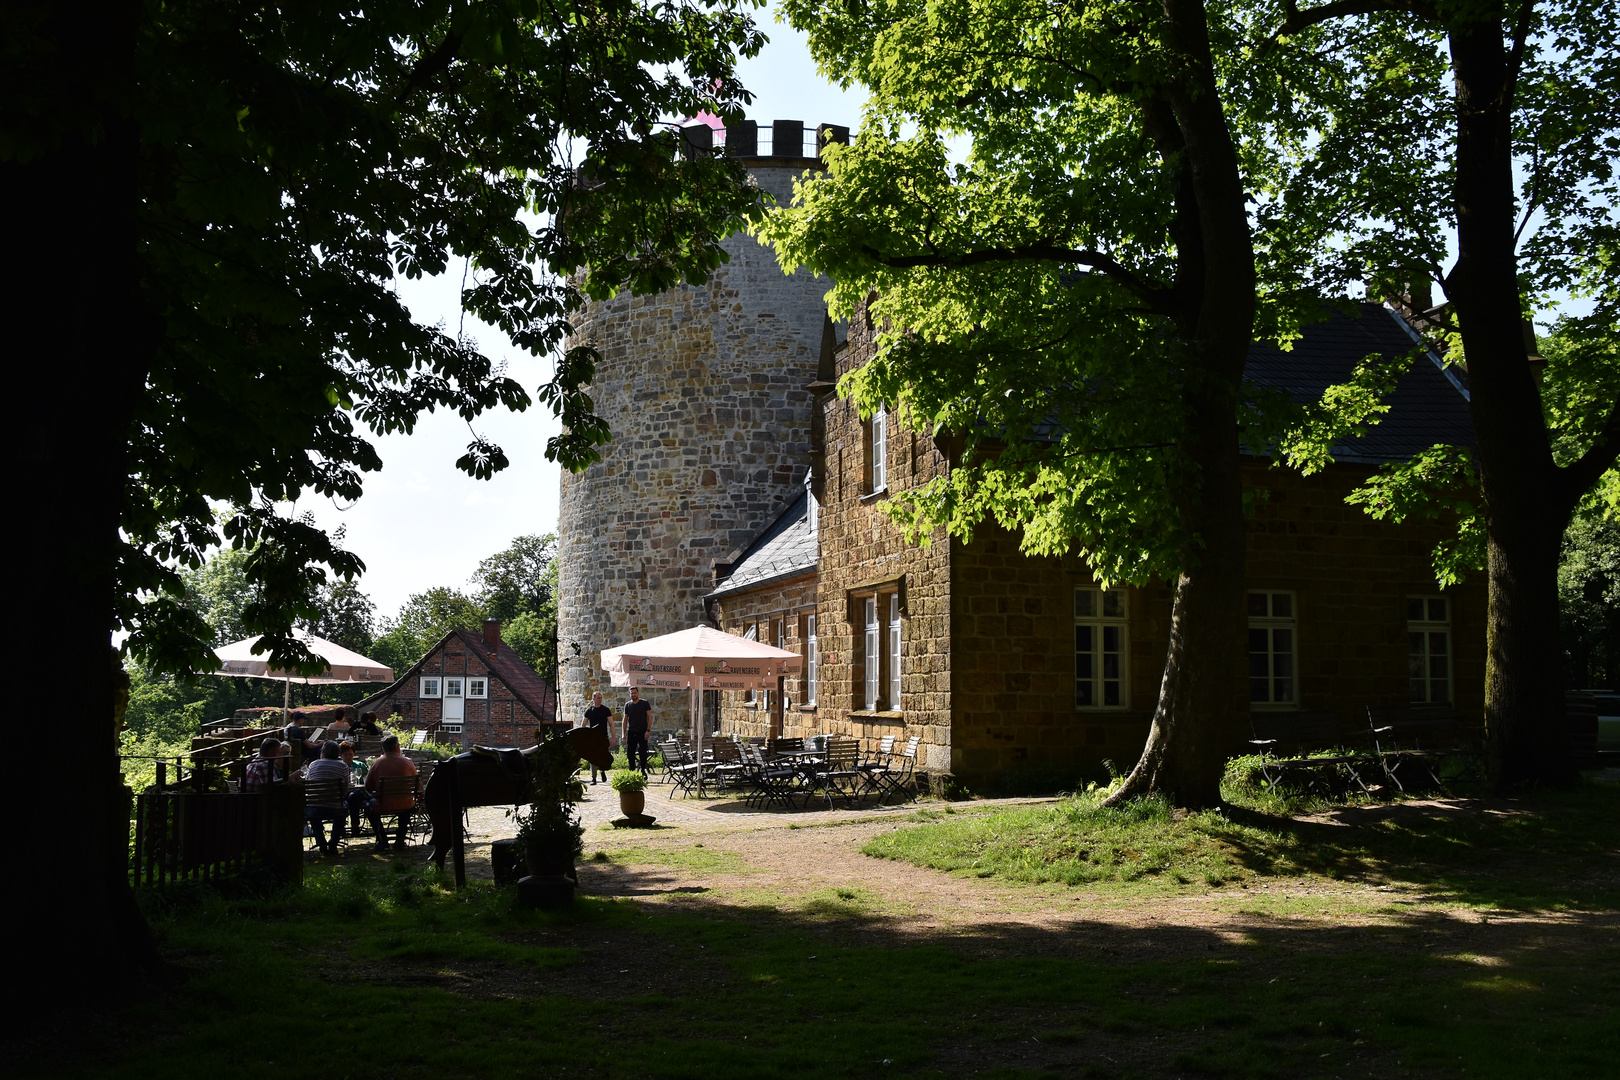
[{"x": 632, "y": 802}]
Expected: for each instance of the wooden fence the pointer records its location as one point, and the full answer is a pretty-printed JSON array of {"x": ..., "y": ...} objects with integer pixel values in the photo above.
[{"x": 185, "y": 835}]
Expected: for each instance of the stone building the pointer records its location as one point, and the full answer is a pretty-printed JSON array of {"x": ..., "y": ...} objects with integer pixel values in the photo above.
[
  {"x": 706, "y": 391},
  {"x": 1007, "y": 664},
  {"x": 470, "y": 689}
]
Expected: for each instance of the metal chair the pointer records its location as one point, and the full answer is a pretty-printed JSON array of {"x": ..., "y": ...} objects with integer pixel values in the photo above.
[
  {"x": 873, "y": 770},
  {"x": 323, "y": 802},
  {"x": 768, "y": 782},
  {"x": 898, "y": 779},
  {"x": 412, "y": 824},
  {"x": 838, "y": 773},
  {"x": 679, "y": 766}
]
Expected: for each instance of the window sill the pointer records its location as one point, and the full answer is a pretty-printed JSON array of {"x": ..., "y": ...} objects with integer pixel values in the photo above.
[
  {"x": 874, "y": 496},
  {"x": 805, "y": 708},
  {"x": 877, "y": 714}
]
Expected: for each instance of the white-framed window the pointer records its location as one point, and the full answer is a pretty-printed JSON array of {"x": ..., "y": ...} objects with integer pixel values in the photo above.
[
  {"x": 1273, "y": 650},
  {"x": 877, "y": 463},
  {"x": 894, "y": 651},
  {"x": 880, "y": 450},
  {"x": 1101, "y": 648},
  {"x": 1428, "y": 651},
  {"x": 810, "y": 658},
  {"x": 750, "y": 633},
  {"x": 430, "y": 687},
  {"x": 477, "y": 686},
  {"x": 454, "y": 686},
  {"x": 872, "y": 653},
  {"x": 812, "y": 508}
]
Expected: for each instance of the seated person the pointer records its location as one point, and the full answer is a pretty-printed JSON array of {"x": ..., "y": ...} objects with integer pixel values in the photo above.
[
  {"x": 261, "y": 771},
  {"x": 328, "y": 767},
  {"x": 357, "y": 797},
  {"x": 368, "y": 726},
  {"x": 339, "y": 726},
  {"x": 296, "y": 734},
  {"x": 283, "y": 760},
  {"x": 391, "y": 763}
]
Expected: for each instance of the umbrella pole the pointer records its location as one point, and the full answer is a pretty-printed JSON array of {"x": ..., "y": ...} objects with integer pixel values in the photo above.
[
  {"x": 697, "y": 727},
  {"x": 286, "y": 700}
]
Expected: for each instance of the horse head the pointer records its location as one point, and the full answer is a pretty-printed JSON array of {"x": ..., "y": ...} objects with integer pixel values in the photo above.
[{"x": 592, "y": 745}]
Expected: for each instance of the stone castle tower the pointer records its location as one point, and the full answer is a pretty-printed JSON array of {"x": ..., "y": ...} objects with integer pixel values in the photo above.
[{"x": 704, "y": 389}]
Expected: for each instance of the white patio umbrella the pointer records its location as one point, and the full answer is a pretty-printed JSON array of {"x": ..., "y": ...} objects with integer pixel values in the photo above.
[
  {"x": 342, "y": 665},
  {"x": 696, "y": 659}
]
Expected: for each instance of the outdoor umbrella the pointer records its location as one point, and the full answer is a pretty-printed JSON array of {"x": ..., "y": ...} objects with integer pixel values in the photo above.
[
  {"x": 342, "y": 666},
  {"x": 697, "y": 659}
]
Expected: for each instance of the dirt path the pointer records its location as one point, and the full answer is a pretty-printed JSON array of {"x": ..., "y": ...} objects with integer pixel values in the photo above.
[{"x": 721, "y": 853}]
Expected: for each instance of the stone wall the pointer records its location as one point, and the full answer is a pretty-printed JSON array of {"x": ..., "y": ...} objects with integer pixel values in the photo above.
[
  {"x": 753, "y": 716},
  {"x": 1013, "y": 648},
  {"x": 859, "y": 545},
  {"x": 705, "y": 391}
]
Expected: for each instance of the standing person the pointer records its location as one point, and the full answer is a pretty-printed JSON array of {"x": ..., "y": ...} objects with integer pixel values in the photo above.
[
  {"x": 599, "y": 716},
  {"x": 637, "y": 722}
]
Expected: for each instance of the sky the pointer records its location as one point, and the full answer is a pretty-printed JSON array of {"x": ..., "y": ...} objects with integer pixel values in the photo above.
[{"x": 422, "y": 522}]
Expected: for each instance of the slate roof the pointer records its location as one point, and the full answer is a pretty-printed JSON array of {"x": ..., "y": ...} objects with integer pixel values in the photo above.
[
  {"x": 529, "y": 688},
  {"x": 1429, "y": 404},
  {"x": 786, "y": 549}
]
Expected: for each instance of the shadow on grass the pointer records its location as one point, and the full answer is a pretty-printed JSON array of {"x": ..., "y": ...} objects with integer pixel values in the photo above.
[
  {"x": 380, "y": 969},
  {"x": 1551, "y": 851}
]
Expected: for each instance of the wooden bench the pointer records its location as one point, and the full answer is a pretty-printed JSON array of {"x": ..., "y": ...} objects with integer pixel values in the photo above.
[{"x": 1303, "y": 743}]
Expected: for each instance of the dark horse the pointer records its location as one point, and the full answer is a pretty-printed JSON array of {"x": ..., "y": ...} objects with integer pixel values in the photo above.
[{"x": 490, "y": 777}]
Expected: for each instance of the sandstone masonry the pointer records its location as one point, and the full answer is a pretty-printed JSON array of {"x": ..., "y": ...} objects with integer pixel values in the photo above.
[{"x": 705, "y": 389}]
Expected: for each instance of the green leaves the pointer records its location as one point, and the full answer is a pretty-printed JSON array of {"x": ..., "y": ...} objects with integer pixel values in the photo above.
[
  {"x": 295, "y": 159},
  {"x": 1439, "y": 483},
  {"x": 1345, "y": 411}
]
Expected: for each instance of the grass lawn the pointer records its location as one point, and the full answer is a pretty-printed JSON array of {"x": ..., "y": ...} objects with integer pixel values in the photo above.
[{"x": 1493, "y": 954}]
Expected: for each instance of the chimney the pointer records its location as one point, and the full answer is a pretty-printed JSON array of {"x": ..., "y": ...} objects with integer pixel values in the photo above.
[{"x": 492, "y": 634}]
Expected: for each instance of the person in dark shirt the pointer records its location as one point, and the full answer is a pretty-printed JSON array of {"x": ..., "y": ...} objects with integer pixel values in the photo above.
[
  {"x": 637, "y": 722},
  {"x": 296, "y": 734},
  {"x": 598, "y": 716},
  {"x": 368, "y": 726}
]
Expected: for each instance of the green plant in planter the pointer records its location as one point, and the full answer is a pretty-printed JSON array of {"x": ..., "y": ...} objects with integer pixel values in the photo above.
[
  {"x": 549, "y": 833},
  {"x": 627, "y": 780}
]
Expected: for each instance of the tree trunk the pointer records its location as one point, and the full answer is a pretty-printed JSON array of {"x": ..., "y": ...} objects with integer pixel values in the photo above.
[
  {"x": 1195, "y": 723},
  {"x": 70, "y": 249},
  {"x": 1527, "y": 506}
]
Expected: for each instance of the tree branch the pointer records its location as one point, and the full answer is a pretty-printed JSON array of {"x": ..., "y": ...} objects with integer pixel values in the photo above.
[
  {"x": 1580, "y": 475},
  {"x": 1298, "y": 20},
  {"x": 1521, "y": 33},
  {"x": 430, "y": 65},
  {"x": 1156, "y": 296}
]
